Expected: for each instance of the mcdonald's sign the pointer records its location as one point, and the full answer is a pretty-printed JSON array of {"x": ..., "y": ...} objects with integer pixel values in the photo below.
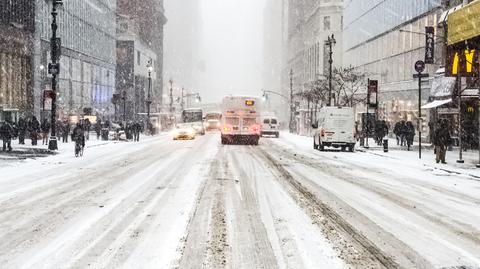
[{"x": 462, "y": 61}]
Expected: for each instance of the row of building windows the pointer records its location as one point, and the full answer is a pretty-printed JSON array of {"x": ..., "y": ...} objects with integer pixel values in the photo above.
[
  {"x": 391, "y": 57},
  {"x": 366, "y": 19},
  {"x": 18, "y": 13},
  {"x": 83, "y": 29},
  {"x": 14, "y": 83}
]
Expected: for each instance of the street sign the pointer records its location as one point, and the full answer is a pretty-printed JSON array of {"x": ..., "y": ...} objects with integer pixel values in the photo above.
[
  {"x": 420, "y": 66},
  {"x": 54, "y": 69},
  {"x": 373, "y": 86},
  {"x": 429, "y": 45},
  {"x": 421, "y": 76}
]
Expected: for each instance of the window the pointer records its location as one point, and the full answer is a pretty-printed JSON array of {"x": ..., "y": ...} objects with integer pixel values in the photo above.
[
  {"x": 326, "y": 23},
  {"x": 138, "y": 57},
  {"x": 266, "y": 121},
  {"x": 232, "y": 121},
  {"x": 274, "y": 121}
]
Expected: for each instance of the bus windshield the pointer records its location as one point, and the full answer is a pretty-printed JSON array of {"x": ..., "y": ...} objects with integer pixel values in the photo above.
[{"x": 192, "y": 116}]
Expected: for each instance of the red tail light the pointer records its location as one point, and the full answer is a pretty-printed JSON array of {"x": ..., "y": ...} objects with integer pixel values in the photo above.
[{"x": 255, "y": 128}]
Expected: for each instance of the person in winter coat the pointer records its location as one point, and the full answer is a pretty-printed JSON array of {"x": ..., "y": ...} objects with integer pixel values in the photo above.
[
  {"x": 65, "y": 131},
  {"x": 33, "y": 129},
  {"x": 22, "y": 131},
  {"x": 78, "y": 134},
  {"x": 409, "y": 133},
  {"x": 136, "y": 131},
  {"x": 442, "y": 140},
  {"x": 87, "y": 125},
  {"x": 45, "y": 127},
  {"x": 98, "y": 129},
  {"x": 6, "y": 133}
]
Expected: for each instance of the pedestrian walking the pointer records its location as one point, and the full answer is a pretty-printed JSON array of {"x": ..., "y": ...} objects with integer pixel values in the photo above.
[
  {"x": 33, "y": 129},
  {"x": 442, "y": 140},
  {"x": 65, "y": 131},
  {"x": 22, "y": 131},
  {"x": 78, "y": 136},
  {"x": 98, "y": 128},
  {"x": 45, "y": 127},
  {"x": 87, "y": 126},
  {"x": 6, "y": 133},
  {"x": 136, "y": 131},
  {"x": 409, "y": 134}
]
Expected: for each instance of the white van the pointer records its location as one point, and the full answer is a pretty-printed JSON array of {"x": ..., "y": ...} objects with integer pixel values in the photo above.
[
  {"x": 335, "y": 128},
  {"x": 270, "y": 126}
]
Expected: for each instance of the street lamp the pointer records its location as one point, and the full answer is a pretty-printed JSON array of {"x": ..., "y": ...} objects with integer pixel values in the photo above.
[
  {"x": 124, "y": 98},
  {"x": 149, "y": 100},
  {"x": 330, "y": 42},
  {"x": 171, "y": 95},
  {"x": 292, "y": 116},
  {"x": 54, "y": 70}
]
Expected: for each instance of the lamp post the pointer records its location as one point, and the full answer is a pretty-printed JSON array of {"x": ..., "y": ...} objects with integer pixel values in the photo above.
[
  {"x": 124, "y": 99},
  {"x": 149, "y": 97},
  {"x": 291, "y": 102},
  {"x": 182, "y": 100},
  {"x": 330, "y": 42},
  {"x": 54, "y": 70},
  {"x": 171, "y": 95}
]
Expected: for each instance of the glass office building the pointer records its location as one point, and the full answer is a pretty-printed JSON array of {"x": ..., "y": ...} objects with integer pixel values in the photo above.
[
  {"x": 384, "y": 39},
  {"x": 88, "y": 33}
]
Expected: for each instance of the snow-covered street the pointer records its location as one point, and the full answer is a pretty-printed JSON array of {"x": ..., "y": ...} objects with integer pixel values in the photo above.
[{"x": 198, "y": 204}]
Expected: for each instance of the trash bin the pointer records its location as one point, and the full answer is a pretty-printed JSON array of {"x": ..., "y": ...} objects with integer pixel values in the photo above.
[
  {"x": 104, "y": 134},
  {"x": 385, "y": 144}
]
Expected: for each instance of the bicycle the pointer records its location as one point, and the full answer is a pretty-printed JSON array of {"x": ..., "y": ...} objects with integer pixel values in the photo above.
[{"x": 79, "y": 147}]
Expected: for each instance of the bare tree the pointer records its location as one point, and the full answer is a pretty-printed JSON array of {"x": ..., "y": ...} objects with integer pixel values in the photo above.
[{"x": 348, "y": 83}]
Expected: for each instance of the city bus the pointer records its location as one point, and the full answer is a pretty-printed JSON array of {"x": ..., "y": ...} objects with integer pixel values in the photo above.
[
  {"x": 194, "y": 116},
  {"x": 240, "y": 115}
]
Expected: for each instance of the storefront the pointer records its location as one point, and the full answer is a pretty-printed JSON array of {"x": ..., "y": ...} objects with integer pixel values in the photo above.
[{"x": 461, "y": 75}]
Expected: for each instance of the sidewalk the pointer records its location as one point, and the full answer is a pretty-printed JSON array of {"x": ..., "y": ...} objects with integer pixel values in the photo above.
[
  {"x": 471, "y": 157},
  {"x": 27, "y": 151},
  {"x": 410, "y": 158}
]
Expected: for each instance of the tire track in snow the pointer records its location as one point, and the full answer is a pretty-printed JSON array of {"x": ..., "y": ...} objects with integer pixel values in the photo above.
[
  {"x": 367, "y": 253},
  {"x": 206, "y": 244},
  {"x": 445, "y": 223}
]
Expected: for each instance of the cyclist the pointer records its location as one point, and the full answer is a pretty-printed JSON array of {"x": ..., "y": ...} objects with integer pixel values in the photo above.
[{"x": 78, "y": 136}]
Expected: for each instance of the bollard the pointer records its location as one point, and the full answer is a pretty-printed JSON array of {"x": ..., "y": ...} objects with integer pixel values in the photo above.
[{"x": 385, "y": 144}]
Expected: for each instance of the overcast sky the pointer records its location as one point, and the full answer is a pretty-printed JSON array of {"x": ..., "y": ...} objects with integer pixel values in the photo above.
[{"x": 232, "y": 48}]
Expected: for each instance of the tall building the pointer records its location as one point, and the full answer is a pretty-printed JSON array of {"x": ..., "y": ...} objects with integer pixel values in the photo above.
[
  {"x": 384, "y": 39},
  {"x": 88, "y": 59},
  {"x": 183, "y": 42},
  {"x": 139, "y": 46},
  {"x": 148, "y": 18},
  {"x": 309, "y": 24},
  {"x": 17, "y": 27},
  {"x": 273, "y": 48}
]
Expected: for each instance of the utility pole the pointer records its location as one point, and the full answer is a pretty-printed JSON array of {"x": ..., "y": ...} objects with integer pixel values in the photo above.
[
  {"x": 54, "y": 70},
  {"x": 171, "y": 95},
  {"x": 183, "y": 101},
  {"x": 420, "y": 67},
  {"x": 291, "y": 102},
  {"x": 149, "y": 97},
  {"x": 460, "y": 130},
  {"x": 124, "y": 98},
  {"x": 330, "y": 42}
]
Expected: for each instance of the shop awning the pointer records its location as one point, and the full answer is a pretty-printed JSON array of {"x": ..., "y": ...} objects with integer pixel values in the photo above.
[
  {"x": 444, "y": 17},
  {"x": 436, "y": 103}
]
